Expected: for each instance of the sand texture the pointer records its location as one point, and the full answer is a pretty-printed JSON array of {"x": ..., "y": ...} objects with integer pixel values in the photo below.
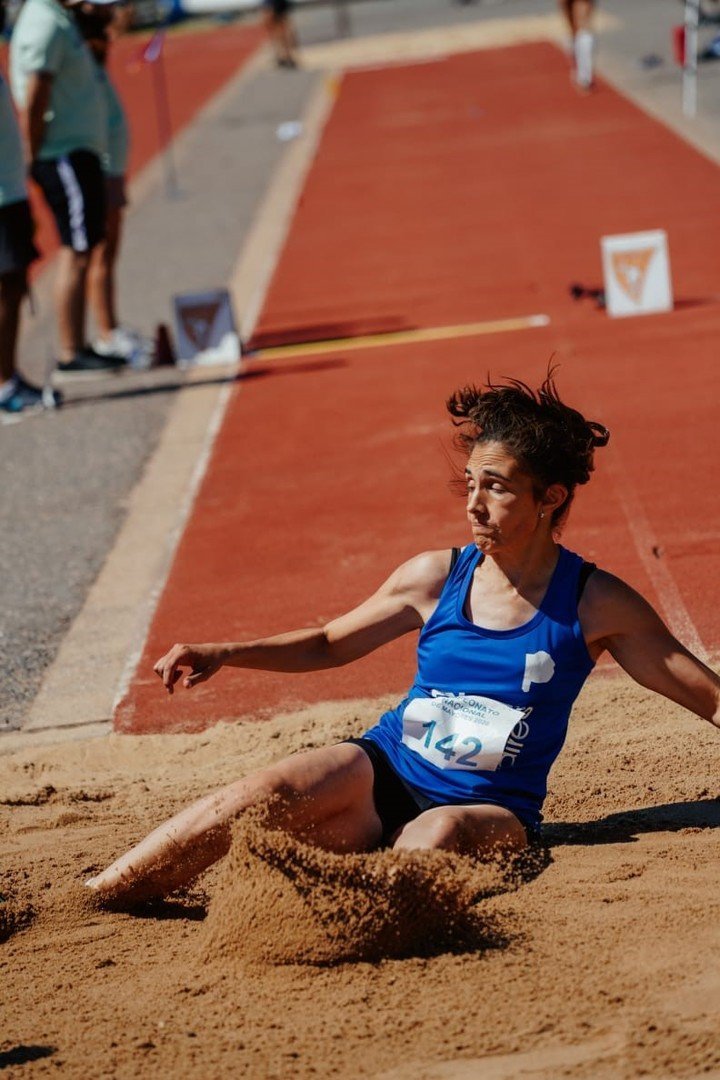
[{"x": 596, "y": 958}]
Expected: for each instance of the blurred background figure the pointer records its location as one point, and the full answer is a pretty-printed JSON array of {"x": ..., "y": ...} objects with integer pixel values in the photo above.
[
  {"x": 281, "y": 31},
  {"x": 113, "y": 338},
  {"x": 58, "y": 89},
  {"x": 17, "y": 251},
  {"x": 578, "y": 14}
]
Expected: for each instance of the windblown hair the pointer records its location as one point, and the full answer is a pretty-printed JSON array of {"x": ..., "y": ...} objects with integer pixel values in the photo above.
[{"x": 553, "y": 443}]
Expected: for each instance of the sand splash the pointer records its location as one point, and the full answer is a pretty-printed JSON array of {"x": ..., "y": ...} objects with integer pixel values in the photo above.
[{"x": 281, "y": 901}]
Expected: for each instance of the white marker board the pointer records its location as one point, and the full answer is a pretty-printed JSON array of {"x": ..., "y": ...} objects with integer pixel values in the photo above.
[
  {"x": 205, "y": 328},
  {"x": 636, "y": 268}
]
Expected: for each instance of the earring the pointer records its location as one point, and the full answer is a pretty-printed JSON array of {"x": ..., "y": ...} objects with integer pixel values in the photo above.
[{"x": 542, "y": 513}]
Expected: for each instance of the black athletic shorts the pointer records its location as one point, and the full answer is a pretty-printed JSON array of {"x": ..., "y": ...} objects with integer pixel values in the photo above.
[
  {"x": 397, "y": 802},
  {"x": 74, "y": 188},
  {"x": 17, "y": 250}
]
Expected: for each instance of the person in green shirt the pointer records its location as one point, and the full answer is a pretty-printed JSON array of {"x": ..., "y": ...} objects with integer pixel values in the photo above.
[
  {"x": 17, "y": 251},
  {"x": 113, "y": 337},
  {"x": 57, "y": 88}
]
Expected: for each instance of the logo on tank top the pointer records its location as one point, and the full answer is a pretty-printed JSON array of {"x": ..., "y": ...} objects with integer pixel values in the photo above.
[{"x": 539, "y": 668}]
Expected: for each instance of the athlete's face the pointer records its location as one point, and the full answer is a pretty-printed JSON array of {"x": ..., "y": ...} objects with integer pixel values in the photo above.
[{"x": 503, "y": 505}]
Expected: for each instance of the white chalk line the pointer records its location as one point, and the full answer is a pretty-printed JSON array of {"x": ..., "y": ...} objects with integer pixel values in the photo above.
[{"x": 646, "y": 543}]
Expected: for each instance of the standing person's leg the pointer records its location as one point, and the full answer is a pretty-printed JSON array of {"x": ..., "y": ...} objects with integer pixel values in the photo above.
[
  {"x": 72, "y": 269},
  {"x": 288, "y": 38},
  {"x": 281, "y": 32},
  {"x": 566, "y": 9},
  {"x": 17, "y": 251},
  {"x": 584, "y": 41},
  {"x": 101, "y": 275},
  {"x": 13, "y": 286},
  {"x": 74, "y": 188},
  {"x": 325, "y": 796}
]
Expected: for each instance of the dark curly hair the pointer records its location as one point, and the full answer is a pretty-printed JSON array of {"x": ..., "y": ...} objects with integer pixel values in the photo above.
[{"x": 553, "y": 443}]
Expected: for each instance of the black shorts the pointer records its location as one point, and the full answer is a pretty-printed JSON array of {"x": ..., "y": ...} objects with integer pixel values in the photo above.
[
  {"x": 74, "y": 189},
  {"x": 397, "y": 802},
  {"x": 17, "y": 250}
]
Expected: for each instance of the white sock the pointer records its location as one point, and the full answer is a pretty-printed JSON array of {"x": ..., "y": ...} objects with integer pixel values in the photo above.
[
  {"x": 584, "y": 48},
  {"x": 7, "y": 389}
]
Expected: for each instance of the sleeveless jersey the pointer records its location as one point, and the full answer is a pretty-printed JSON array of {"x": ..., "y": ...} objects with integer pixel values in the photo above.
[{"x": 488, "y": 711}]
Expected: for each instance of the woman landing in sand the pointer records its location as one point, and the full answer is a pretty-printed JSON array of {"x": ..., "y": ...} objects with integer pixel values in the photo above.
[{"x": 510, "y": 628}]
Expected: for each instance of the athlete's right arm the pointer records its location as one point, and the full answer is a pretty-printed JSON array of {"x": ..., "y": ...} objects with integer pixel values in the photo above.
[{"x": 402, "y": 603}]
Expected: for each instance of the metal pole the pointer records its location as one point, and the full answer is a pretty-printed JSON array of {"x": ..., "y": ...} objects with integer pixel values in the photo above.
[
  {"x": 690, "y": 67},
  {"x": 164, "y": 123},
  {"x": 343, "y": 26}
]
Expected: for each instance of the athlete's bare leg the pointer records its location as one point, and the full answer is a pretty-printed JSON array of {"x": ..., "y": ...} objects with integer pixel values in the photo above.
[
  {"x": 470, "y": 830},
  {"x": 325, "y": 796}
]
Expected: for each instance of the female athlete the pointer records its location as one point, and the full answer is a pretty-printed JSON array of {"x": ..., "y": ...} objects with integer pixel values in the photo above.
[{"x": 509, "y": 629}]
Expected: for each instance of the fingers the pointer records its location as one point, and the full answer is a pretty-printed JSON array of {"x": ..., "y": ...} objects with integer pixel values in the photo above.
[
  {"x": 198, "y": 676},
  {"x": 167, "y": 666},
  {"x": 192, "y": 656}
]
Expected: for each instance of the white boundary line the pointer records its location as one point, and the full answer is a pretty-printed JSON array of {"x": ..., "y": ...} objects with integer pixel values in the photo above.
[{"x": 646, "y": 543}]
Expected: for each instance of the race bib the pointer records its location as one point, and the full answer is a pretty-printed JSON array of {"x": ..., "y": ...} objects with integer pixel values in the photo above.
[{"x": 464, "y": 731}]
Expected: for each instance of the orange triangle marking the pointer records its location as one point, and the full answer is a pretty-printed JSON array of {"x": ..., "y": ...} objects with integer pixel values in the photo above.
[{"x": 631, "y": 269}]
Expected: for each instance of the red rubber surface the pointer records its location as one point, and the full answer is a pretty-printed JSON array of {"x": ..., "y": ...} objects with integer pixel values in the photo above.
[
  {"x": 198, "y": 63},
  {"x": 476, "y": 187}
]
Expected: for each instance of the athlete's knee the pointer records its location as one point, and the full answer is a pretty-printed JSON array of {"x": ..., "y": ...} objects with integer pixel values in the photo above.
[
  {"x": 469, "y": 830},
  {"x": 442, "y": 829}
]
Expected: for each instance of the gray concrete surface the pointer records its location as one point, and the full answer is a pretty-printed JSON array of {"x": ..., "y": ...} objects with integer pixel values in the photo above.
[{"x": 65, "y": 479}]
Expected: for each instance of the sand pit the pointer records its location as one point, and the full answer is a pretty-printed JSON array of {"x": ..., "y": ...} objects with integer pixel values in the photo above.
[{"x": 599, "y": 961}]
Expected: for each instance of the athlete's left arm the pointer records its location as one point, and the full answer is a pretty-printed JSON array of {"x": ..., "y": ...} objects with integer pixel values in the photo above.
[{"x": 615, "y": 617}]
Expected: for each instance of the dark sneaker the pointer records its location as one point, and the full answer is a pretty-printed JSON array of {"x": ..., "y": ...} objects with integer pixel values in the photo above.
[
  {"x": 27, "y": 398},
  {"x": 88, "y": 362},
  {"x": 117, "y": 358}
]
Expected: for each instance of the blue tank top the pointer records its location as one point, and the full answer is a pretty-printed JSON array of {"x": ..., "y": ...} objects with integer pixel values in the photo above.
[{"x": 488, "y": 711}]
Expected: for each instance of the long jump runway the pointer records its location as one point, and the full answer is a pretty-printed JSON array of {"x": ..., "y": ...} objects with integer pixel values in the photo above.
[{"x": 471, "y": 190}]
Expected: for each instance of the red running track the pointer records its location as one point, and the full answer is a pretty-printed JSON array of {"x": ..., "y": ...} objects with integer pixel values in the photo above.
[
  {"x": 475, "y": 187},
  {"x": 198, "y": 63}
]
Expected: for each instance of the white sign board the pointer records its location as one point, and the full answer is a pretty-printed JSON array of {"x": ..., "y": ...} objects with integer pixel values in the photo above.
[
  {"x": 205, "y": 328},
  {"x": 636, "y": 268}
]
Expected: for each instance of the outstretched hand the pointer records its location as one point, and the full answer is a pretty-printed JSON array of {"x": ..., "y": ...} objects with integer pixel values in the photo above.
[{"x": 203, "y": 661}]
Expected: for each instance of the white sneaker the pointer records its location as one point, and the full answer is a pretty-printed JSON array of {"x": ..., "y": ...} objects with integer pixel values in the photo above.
[
  {"x": 129, "y": 344},
  {"x": 584, "y": 53}
]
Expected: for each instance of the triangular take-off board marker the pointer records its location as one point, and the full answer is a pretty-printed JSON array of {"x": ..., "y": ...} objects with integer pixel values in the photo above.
[{"x": 631, "y": 269}]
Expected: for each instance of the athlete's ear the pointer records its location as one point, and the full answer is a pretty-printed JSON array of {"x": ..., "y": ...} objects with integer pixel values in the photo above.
[{"x": 555, "y": 496}]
